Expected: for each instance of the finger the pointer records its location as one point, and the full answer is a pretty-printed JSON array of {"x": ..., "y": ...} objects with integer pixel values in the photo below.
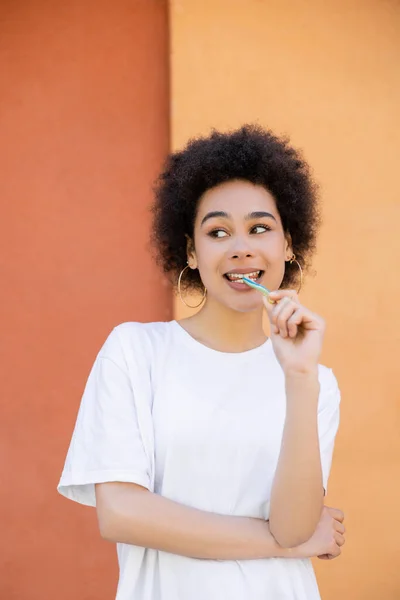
[
  {"x": 269, "y": 309},
  {"x": 294, "y": 322},
  {"x": 336, "y": 514},
  {"x": 277, "y": 295},
  {"x": 339, "y": 527},
  {"x": 284, "y": 311},
  {"x": 339, "y": 539},
  {"x": 334, "y": 552},
  {"x": 273, "y": 311},
  {"x": 269, "y": 305},
  {"x": 327, "y": 556},
  {"x": 309, "y": 320}
]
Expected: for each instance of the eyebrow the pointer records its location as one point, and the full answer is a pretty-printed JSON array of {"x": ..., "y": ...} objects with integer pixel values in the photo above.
[{"x": 258, "y": 214}]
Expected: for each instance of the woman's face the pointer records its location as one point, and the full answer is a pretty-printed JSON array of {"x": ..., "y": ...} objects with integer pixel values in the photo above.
[{"x": 238, "y": 230}]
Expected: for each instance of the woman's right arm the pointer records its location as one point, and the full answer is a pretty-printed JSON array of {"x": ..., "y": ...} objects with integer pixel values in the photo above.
[{"x": 130, "y": 514}]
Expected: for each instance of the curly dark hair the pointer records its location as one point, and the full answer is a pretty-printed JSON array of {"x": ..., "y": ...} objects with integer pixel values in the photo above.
[{"x": 250, "y": 153}]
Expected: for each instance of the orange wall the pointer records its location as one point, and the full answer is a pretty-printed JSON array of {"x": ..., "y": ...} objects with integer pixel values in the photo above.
[
  {"x": 327, "y": 73},
  {"x": 83, "y": 129}
]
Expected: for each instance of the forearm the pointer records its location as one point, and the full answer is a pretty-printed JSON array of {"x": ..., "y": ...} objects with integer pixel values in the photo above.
[
  {"x": 132, "y": 515},
  {"x": 297, "y": 491}
]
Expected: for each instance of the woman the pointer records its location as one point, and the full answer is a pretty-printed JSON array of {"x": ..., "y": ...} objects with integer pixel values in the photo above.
[{"x": 204, "y": 445}]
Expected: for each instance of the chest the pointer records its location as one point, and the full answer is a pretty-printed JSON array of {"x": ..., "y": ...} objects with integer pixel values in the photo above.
[{"x": 219, "y": 426}]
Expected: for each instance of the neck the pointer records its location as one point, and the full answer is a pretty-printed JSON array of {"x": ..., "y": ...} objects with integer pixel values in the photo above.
[{"x": 226, "y": 330}]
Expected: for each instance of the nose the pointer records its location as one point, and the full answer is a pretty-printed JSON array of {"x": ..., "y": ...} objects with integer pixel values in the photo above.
[
  {"x": 242, "y": 255},
  {"x": 240, "y": 249}
]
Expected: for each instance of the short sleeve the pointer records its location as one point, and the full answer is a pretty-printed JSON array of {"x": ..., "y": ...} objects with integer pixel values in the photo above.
[
  {"x": 328, "y": 421},
  {"x": 106, "y": 443}
]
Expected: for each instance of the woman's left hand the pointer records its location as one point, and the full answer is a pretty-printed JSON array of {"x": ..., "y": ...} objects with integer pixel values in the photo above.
[{"x": 296, "y": 332}]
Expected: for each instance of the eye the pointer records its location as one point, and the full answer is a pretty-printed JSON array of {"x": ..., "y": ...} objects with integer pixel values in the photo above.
[
  {"x": 215, "y": 233},
  {"x": 262, "y": 227}
]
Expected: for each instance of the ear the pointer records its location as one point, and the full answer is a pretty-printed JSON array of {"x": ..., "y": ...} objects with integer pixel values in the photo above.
[
  {"x": 191, "y": 253},
  {"x": 288, "y": 246}
]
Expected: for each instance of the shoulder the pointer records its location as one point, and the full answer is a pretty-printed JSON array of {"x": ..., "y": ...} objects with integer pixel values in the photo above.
[
  {"x": 135, "y": 340},
  {"x": 136, "y": 332}
]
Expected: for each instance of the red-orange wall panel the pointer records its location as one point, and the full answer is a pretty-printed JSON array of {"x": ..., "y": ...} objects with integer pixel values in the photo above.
[{"x": 83, "y": 129}]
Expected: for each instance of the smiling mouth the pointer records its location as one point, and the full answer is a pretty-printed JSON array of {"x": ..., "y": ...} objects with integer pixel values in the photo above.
[{"x": 238, "y": 277}]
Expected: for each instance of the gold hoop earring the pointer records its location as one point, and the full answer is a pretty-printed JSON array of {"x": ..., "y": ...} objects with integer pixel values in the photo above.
[
  {"x": 291, "y": 261},
  {"x": 180, "y": 292}
]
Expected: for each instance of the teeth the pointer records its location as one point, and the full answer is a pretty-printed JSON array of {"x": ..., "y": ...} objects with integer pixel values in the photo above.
[{"x": 237, "y": 277}]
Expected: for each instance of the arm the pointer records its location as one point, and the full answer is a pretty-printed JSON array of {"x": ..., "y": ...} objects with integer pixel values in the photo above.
[
  {"x": 130, "y": 514},
  {"x": 297, "y": 492}
]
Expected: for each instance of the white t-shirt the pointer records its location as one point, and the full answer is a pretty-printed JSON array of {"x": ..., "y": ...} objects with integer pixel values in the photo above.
[{"x": 200, "y": 427}]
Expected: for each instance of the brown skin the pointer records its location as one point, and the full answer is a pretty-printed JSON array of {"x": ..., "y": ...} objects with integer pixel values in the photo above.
[
  {"x": 130, "y": 514},
  {"x": 231, "y": 321}
]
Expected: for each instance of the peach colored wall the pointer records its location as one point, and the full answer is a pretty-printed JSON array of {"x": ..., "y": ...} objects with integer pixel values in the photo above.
[
  {"x": 83, "y": 129},
  {"x": 327, "y": 73}
]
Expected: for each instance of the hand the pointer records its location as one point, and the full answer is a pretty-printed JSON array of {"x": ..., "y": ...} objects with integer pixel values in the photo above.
[
  {"x": 328, "y": 538},
  {"x": 296, "y": 332}
]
